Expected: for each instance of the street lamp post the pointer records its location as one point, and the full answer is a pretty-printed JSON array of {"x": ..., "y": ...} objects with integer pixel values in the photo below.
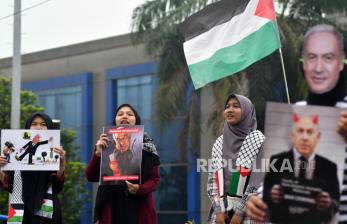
[{"x": 16, "y": 66}]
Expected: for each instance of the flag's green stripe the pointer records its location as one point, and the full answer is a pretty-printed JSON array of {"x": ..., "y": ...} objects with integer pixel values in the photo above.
[
  {"x": 232, "y": 59},
  {"x": 16, "y": 219},
  {"x": 46, "y": 208},
  {"x": 234, "y": 183}
]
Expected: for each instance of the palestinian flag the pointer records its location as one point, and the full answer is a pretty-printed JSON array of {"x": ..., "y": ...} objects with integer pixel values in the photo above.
[
  {"x": 227, "y": 36},
  {"x": 46, "y": 209},
  {"x": 15, "y": 214},
  {"x": 238, "y": 181}
]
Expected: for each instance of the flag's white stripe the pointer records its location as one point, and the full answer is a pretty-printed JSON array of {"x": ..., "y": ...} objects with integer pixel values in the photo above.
[
  {"x": 49, "y": 190},
  {"x": 48, "y": 203},
  {"x": 19, "y": 212},
  {"x": 205, "y": 45},
  {"x": 241, "y": 185},
  {"x": 221, "y": 182},
  {"x": 44, "y": 214}
]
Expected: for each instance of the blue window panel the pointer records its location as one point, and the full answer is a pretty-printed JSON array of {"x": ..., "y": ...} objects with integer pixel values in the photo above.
[
  {"x": 173, "y": 188},
  {"x": 193, "y": 187},
  {"x": 137, "y": 92},
  {"x": 65, "y": 104},
  {"x": 67, "y": 85},
  {"x": 118, "y": 77}
]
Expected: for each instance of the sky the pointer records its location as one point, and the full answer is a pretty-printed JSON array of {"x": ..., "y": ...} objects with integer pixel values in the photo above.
[{"x": 56, "y": 23}]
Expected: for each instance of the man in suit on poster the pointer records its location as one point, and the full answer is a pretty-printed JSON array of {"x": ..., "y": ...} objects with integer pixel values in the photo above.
[
  {"x": 284, "y": 187},
  {"x": 123, "y": 155}
]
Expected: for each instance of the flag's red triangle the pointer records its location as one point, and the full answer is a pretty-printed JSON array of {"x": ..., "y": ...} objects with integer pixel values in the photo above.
[
  {"x": 244, "y": 171},
  {"x": 11, "y": 213},
  {"x": 266, "y": 9}
]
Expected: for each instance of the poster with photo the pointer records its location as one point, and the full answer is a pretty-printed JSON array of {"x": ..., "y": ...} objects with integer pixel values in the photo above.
[
  {"x": 305, "y": 161},
  {"x": 30, "y": 149},
  {"x": 121, "y": 160}
]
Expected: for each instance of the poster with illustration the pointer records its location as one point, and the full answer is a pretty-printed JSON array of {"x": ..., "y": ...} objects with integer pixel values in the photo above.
[
  {"x": 121, "y": 160},
  {"x": 30, "y": 149},
  {"x": 305, "y": 162}
]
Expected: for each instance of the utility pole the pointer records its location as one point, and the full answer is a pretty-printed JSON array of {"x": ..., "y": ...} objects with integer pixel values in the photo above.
[{"x": 16, "y": 67}]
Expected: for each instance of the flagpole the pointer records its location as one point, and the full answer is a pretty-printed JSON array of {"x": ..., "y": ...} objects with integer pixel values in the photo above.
[{"x": 284, "y": 75}]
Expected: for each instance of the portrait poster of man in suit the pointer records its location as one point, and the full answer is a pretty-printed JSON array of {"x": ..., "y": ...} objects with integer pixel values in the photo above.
[
  {"x": 121, "y": 160},
  {"x": 304, "y": 175}
]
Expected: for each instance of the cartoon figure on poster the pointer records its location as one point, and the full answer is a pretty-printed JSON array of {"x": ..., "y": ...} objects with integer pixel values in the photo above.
[
  {"x": 9, "y": 148},
  {"x": 30, "y": 150}
]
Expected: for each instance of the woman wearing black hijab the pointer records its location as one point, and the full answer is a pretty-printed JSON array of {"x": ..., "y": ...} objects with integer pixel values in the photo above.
[
  {"x": 131, "y": 203},
  {"x": 31, "y": 191}
]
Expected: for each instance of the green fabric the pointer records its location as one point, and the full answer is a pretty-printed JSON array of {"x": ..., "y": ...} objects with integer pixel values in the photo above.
[
  {"x": 46, "y": 208},
  {"x": 234, "y": 183},
  {"x": 16, "y": 219}
]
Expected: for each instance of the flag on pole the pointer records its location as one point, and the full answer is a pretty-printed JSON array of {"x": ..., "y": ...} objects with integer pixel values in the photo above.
[{"x": 227, "y": 36}]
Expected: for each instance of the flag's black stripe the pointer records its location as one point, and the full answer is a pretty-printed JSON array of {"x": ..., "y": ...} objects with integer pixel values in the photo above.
[
  {"x": 48, "y": 196},
  {"x": 211, "y": 16},
  {"x": 17, "y": 206}
]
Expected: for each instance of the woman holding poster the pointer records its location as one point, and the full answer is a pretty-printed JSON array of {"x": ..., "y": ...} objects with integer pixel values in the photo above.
[
  {"x": 33, "y": 194},
  {"x": 128, "y": 203}
]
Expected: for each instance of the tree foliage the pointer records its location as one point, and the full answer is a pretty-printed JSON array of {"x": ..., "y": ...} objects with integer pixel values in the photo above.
[
  {"x": 75, "y": 186},
  {"x": 28, "y": 104}
]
